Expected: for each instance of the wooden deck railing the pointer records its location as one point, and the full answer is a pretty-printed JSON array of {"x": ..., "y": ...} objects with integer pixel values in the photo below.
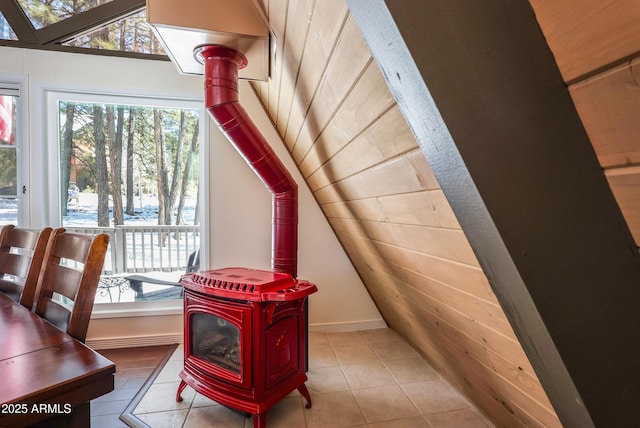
[{"x": 147, "y": 248}]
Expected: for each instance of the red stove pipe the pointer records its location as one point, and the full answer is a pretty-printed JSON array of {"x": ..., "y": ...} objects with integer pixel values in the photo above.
[{"x": 221, "y": 65}]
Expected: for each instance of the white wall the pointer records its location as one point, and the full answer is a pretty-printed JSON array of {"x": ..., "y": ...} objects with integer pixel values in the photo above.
[
  {"x": 241, "y": 229},
  {"x": 239, "y": 204}
]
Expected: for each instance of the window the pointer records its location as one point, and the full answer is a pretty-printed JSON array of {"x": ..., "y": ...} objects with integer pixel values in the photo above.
[
  {"x": 130, "y": 34},
  {"x": 130, "y": 168},
  {"x": 6, "y": 32},
  {"x": 42, "y": 13},
  {"x": 9, "y": 180},
  {"x": 95, "y": 26}
]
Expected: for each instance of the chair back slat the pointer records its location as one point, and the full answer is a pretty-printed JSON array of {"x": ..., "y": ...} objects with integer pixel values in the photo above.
[
  {"x": 73, "y": 246},
  {"x": 22, "y": 238},
  {"x": 15, "y": 265},
  {"x": 70, "y": 288},
  {"x": 56, "y": 313},
  {"x": 66, "y": 280},
  {"x": 21, "y": 254}
]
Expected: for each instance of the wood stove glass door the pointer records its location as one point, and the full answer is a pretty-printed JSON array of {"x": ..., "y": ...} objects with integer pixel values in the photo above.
[
  {"x": 219, "y": 336},
  {"x": 217, "y": 341}
]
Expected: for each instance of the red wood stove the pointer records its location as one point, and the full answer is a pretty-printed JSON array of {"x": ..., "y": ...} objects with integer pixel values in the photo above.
[{"x": 245, "y": 338}]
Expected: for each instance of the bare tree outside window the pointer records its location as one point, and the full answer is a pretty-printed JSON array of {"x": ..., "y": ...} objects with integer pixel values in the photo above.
[{"x": 124, "y": 164}]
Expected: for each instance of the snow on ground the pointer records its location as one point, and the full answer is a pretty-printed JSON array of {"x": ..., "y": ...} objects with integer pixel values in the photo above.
[{"x": 83, "y": 212}]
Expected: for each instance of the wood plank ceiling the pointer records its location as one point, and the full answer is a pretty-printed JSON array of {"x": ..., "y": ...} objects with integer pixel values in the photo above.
[{"x": 329, "y": 101}]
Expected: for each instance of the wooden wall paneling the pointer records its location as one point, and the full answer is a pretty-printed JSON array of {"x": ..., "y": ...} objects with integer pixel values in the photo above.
[
  {"x": 413, "y": 330},
  {"x": 349, "y": 59},
  {"x": 378, "y": 192},
  {"x": 467, "y": 278},
  {"x": 455, "y": 121},
  {"x": 487, "y": 386},
  {"x": 437, "y": 294},
  {"x": 478, "y": 318},
  {"x": 625, "y": 184},
  {"x": 517, "y": 392},
  {"x": 426, "y": 208},
  {"x": 346, "y": 63},
  {"x": 609, "y": 107},
  {"x": 408, "y": 173},
  {"x": 589, "y": 35},
  {"x": 329, "y": 17},
  {"x": 449, "y": 321},
  {"x": 386, "y": 138},
  {"x": 299, "y": 16},
  {"x": 450, "y": 244},
  {"x": 368, "y": 100},
  {"x": 477, "y": 381}
]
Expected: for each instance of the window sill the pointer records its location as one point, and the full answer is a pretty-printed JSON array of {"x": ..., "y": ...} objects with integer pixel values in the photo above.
[{"x": 137, "y": 309}]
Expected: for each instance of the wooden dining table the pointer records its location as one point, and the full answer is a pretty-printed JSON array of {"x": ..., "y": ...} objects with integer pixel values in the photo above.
[{"x": 47, "y": 377}]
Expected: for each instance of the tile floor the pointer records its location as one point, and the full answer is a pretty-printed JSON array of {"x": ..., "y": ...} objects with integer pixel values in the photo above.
[
  {"x": 370, "y": 378},
  {"x": 133, "y": 368}
]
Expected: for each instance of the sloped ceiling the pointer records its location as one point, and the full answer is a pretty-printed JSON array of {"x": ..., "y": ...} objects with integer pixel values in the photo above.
[{"x": 330, "y": 103}]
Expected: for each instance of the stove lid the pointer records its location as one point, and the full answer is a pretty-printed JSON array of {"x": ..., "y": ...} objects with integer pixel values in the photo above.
[{"x": 248, "y": 284}]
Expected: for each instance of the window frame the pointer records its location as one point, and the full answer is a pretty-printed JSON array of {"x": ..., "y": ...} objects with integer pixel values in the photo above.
[
  {"x": 53, "y": 215},
  {"x": 17, "y": 86}
]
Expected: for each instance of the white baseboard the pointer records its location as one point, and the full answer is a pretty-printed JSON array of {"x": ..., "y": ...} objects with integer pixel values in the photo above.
[
  {"x": 170, "y": 339},
  {"x": 347, "y": 326}
]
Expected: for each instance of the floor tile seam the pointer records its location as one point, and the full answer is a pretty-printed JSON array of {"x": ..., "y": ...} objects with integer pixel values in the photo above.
[
  {"x": 186, "y": 416},
  {"x": 346, "y": 378},
  {"x": 467, "y": 406},
  {"x": 306, "y": 421},
  {"x": 439, "y": 377},
  {"x": 404, "y": 393}
]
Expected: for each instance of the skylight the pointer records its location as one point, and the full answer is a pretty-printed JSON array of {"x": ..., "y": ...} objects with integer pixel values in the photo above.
[
  {"x": 44, "y": 12},
  {"x": 107, "y": 27},
  {"x": 6, "y": 32},
  {"x": 131, "y": 34}
]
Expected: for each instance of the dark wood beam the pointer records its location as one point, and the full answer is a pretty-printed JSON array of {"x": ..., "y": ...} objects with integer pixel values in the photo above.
[
  {"x": 480, "y": 89},
  {"x": 18, "y": 21},
  {"x": 50, "y": 37},
  {"x": 85, "y": 51},
  {"x": 87, "y": 21}
]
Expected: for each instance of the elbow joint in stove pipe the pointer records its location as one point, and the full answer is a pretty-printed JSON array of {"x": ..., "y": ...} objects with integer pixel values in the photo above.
[{"x": 221, "y": 65}]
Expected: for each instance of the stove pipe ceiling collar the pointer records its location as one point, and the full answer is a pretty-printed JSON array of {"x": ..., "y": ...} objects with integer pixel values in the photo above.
[{"x": 221, "y": 66}]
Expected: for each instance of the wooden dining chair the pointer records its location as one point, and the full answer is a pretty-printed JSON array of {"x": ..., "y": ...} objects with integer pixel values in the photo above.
[
  {"x": 21, "y": 255},
  {"x": 69, "y": 278}
]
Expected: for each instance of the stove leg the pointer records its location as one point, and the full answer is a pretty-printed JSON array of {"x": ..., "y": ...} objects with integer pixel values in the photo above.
[
  {"x": 259, "y": 420},
  {"x": 302, "y": 389},
  {"x": 181, "y": 388}
]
